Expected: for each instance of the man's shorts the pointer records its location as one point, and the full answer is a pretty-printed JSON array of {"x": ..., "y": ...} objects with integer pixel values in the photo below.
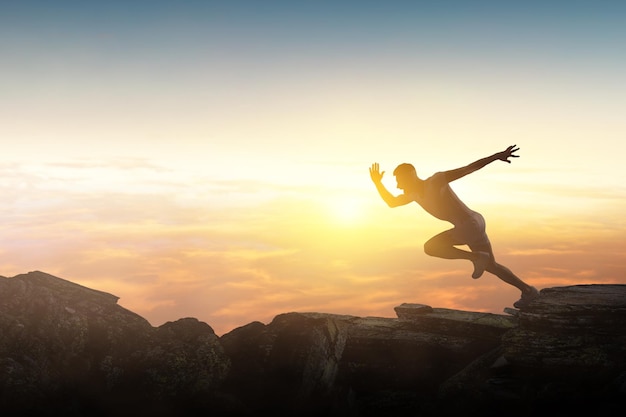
[{"x": 471, "y": 232}]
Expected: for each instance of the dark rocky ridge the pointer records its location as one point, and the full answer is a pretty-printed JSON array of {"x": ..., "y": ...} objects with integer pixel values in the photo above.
[{"x": 72, "y": 350}]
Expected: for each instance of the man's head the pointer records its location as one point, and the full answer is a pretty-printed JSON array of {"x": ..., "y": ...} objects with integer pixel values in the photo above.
[{"x": 406, "y": 176}]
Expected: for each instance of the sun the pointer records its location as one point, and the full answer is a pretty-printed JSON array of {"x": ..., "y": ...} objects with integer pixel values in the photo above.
[{"x": 346, "y": 210}]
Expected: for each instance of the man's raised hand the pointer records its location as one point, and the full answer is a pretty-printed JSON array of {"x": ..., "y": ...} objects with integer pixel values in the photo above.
[
  {"x": 508, "y": 153},
  {"x": 375, "y": 173}
]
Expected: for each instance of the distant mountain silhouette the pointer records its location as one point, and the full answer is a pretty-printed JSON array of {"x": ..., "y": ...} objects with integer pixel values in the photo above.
[{"x": 70, "y": 350}]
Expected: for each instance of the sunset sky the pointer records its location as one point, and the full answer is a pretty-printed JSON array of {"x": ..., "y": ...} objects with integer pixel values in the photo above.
[{"x": 210, "y": 159}]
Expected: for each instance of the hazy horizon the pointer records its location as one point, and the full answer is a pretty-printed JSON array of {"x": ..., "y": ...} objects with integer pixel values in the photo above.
[{"x": 210, "y": 159}]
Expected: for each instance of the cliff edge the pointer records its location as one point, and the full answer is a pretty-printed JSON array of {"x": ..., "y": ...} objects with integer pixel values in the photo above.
[{"x": 65, "y": 348}]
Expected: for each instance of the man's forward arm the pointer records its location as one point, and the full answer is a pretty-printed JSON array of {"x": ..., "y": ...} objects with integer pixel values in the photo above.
[{"x": 390, "y": 199}]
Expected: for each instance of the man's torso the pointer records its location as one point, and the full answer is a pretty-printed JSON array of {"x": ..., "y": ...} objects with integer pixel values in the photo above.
[{"x": 438, "y": 199}]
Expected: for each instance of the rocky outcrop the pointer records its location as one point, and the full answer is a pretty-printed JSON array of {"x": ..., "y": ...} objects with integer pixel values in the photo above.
[
  {"x": 570, "y": 343},
  {"x": 566, "y": 355},
  {"x": 68, "y": 349},
  {"x": 325, "y": 364},
  {"x": 289, "y": 365}
]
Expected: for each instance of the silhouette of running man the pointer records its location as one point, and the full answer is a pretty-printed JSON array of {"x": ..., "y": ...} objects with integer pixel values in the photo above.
[{"x": 437, "y": 198}]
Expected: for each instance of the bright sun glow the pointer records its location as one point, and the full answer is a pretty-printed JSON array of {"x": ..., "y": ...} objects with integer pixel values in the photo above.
[{"x": 346, "y": 210}]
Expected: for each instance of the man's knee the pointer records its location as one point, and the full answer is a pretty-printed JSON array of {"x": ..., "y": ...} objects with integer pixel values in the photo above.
[{"x": 431, "y": 248}]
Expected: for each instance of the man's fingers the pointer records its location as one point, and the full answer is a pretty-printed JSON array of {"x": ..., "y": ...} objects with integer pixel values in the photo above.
[{"x": 375, "y": 172}]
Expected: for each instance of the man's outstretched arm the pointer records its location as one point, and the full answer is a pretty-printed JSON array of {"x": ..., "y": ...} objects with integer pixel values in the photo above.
[
  {"x": 390, "y": 199},
  {"x": 455, "y": 174}
]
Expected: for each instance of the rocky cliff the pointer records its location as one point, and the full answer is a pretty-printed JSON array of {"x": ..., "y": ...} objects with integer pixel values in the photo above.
[{"x": 69, "y": 349}]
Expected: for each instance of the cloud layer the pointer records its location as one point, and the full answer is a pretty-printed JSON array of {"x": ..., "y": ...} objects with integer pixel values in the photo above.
[{"x": 244, "y": 251}]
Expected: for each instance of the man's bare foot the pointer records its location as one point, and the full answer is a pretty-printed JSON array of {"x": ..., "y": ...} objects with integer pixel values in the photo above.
[{"x": 480, "y": 264}]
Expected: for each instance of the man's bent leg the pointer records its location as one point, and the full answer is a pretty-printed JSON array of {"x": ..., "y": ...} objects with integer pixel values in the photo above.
[{"x": 442, "y": 246}]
